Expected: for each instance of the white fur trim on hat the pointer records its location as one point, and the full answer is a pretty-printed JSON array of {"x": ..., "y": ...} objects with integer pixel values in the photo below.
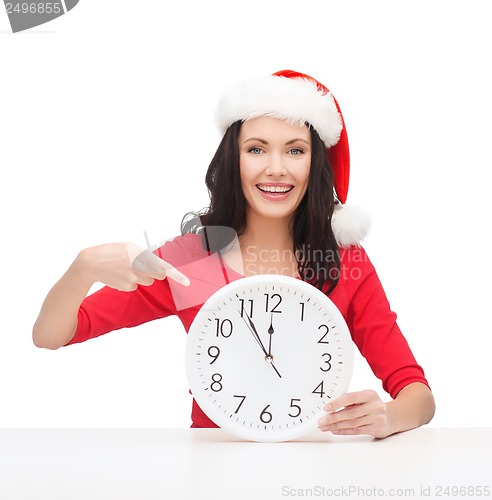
[
  {"x": 350, "y": 225},
  {"x": 296, "y": 100}
]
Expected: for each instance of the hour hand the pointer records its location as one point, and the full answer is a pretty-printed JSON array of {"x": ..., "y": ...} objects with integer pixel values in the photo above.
[{"x": 270, "y": 333}]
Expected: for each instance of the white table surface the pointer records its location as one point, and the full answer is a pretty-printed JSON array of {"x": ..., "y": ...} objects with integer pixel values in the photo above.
[{"x": 141, "y": 464}]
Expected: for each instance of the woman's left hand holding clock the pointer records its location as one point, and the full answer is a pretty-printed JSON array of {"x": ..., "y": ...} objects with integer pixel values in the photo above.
[{"x": 364, "y": 412}]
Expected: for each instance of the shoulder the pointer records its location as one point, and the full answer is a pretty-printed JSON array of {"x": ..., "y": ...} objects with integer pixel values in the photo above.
[
  {"x": 359, "y": 283},
  {"x": 355, "y": 265},
  {"x": 355, "y": 277},
  {"x": 353, "y": 253}
]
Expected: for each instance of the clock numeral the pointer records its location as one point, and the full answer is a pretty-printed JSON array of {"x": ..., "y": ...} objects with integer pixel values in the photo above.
[
  {"x": 302, "y": 310},
  {"x": 250, "y": 307},
  {"x": 321, "y": 392},
  {"x": 298, "y": 408},
  {"x": 265, "y": 416},
  {"x": 224, "y": 327},
  {"x": 326, "y": 362},
  {"x": 216, "y": 385},
  {"x": 273, "y": 297},
  {"x": 321, "y": 340},
  {"x": 241, "y": 403},
  {"x": 213, "y": 354}
]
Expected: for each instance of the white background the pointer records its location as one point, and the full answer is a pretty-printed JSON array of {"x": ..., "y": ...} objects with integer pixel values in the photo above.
[{"x": 106, "y": 130}]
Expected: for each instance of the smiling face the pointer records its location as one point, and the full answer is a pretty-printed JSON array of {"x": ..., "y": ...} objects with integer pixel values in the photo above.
[{"x": 274, "y": 159}]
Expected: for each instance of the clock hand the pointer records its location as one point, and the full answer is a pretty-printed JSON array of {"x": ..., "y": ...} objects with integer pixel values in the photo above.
[
  {"x": 270, "y": 331},
  {"x": 253, "y": 330}
]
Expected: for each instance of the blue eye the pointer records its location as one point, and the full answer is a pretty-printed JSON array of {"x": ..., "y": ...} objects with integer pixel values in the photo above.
[
  {"x": 255, "y": 151},
  {"x": 296, "y": 152}
]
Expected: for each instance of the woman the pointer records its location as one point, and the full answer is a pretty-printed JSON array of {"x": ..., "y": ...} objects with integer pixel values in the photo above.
[{"x": 279, "y": 179}]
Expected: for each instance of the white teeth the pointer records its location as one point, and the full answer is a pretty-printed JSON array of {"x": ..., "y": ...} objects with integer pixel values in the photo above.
[{"x": 274, "y": 189}]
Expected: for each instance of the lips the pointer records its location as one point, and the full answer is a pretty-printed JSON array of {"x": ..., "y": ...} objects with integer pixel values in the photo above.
[
  {"x": 275, "y": 192},
  {"x": 275, "y": 189}
]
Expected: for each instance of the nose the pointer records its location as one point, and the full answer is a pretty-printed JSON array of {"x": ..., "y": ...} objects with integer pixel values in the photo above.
[{"x": 275, "y": 166}]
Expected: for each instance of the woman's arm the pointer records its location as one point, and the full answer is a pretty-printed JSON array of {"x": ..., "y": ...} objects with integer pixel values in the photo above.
[
  {"x": 110, "y": 264},
  {"x": 57, "y": 321},
  {"x": 365, "y": 413}
]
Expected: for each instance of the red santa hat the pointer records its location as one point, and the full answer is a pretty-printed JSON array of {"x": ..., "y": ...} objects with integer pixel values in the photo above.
[{"x": 299, "y": 98}]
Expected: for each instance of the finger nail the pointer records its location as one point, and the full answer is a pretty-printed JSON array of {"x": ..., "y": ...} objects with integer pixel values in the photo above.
[{"x": 185, "y": 281}]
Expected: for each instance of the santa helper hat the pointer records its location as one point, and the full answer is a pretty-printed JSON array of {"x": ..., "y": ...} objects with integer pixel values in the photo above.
[{"x": 299, "y": 98}]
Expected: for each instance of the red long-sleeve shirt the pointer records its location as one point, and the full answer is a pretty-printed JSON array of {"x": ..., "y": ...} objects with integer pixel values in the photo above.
[{"x": 359, "y": 296}]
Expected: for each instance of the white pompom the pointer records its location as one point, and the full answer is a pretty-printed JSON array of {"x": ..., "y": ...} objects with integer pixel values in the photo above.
[{"x": 350, "y": 225}]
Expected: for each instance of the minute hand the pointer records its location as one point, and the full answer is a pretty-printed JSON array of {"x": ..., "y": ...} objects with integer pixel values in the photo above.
[
  {"x": 255, "y": 333},
  {"x": 253, "y": 330}
]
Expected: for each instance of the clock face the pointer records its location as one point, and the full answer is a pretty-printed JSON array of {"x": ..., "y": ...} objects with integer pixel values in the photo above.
[{"x": 265, "y": 354}]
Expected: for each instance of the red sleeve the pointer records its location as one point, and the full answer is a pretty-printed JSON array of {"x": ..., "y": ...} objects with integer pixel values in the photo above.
[
  {"x": 373, "y": 325},
  {"x": 109, "y": 309}
]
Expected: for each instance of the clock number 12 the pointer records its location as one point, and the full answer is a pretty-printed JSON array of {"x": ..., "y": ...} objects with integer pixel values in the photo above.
[{"x": 273, "y": 297}]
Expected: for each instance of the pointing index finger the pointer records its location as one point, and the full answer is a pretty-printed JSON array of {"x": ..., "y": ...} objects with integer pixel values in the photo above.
[
  {"x": 174, "y": 274},
  {"x": 146, "y": 262}
]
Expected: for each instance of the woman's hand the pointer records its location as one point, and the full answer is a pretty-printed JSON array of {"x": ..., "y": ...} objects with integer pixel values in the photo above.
[
  {"x": 357, "y": 413},
  {"x": 111, "y": 264},
  {"x": 124, "y": 266},
  {"x": 365, "y": 413}
]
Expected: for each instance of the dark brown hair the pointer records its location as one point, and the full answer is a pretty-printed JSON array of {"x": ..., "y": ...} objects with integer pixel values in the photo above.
[{"x": 315, "y": 245}]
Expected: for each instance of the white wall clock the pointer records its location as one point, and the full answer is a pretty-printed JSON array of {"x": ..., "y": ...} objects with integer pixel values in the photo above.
[{"x": 265, "y": 354}]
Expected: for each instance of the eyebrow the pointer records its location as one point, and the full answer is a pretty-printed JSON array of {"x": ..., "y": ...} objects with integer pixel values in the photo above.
[{"x": 259, "y": 139}]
